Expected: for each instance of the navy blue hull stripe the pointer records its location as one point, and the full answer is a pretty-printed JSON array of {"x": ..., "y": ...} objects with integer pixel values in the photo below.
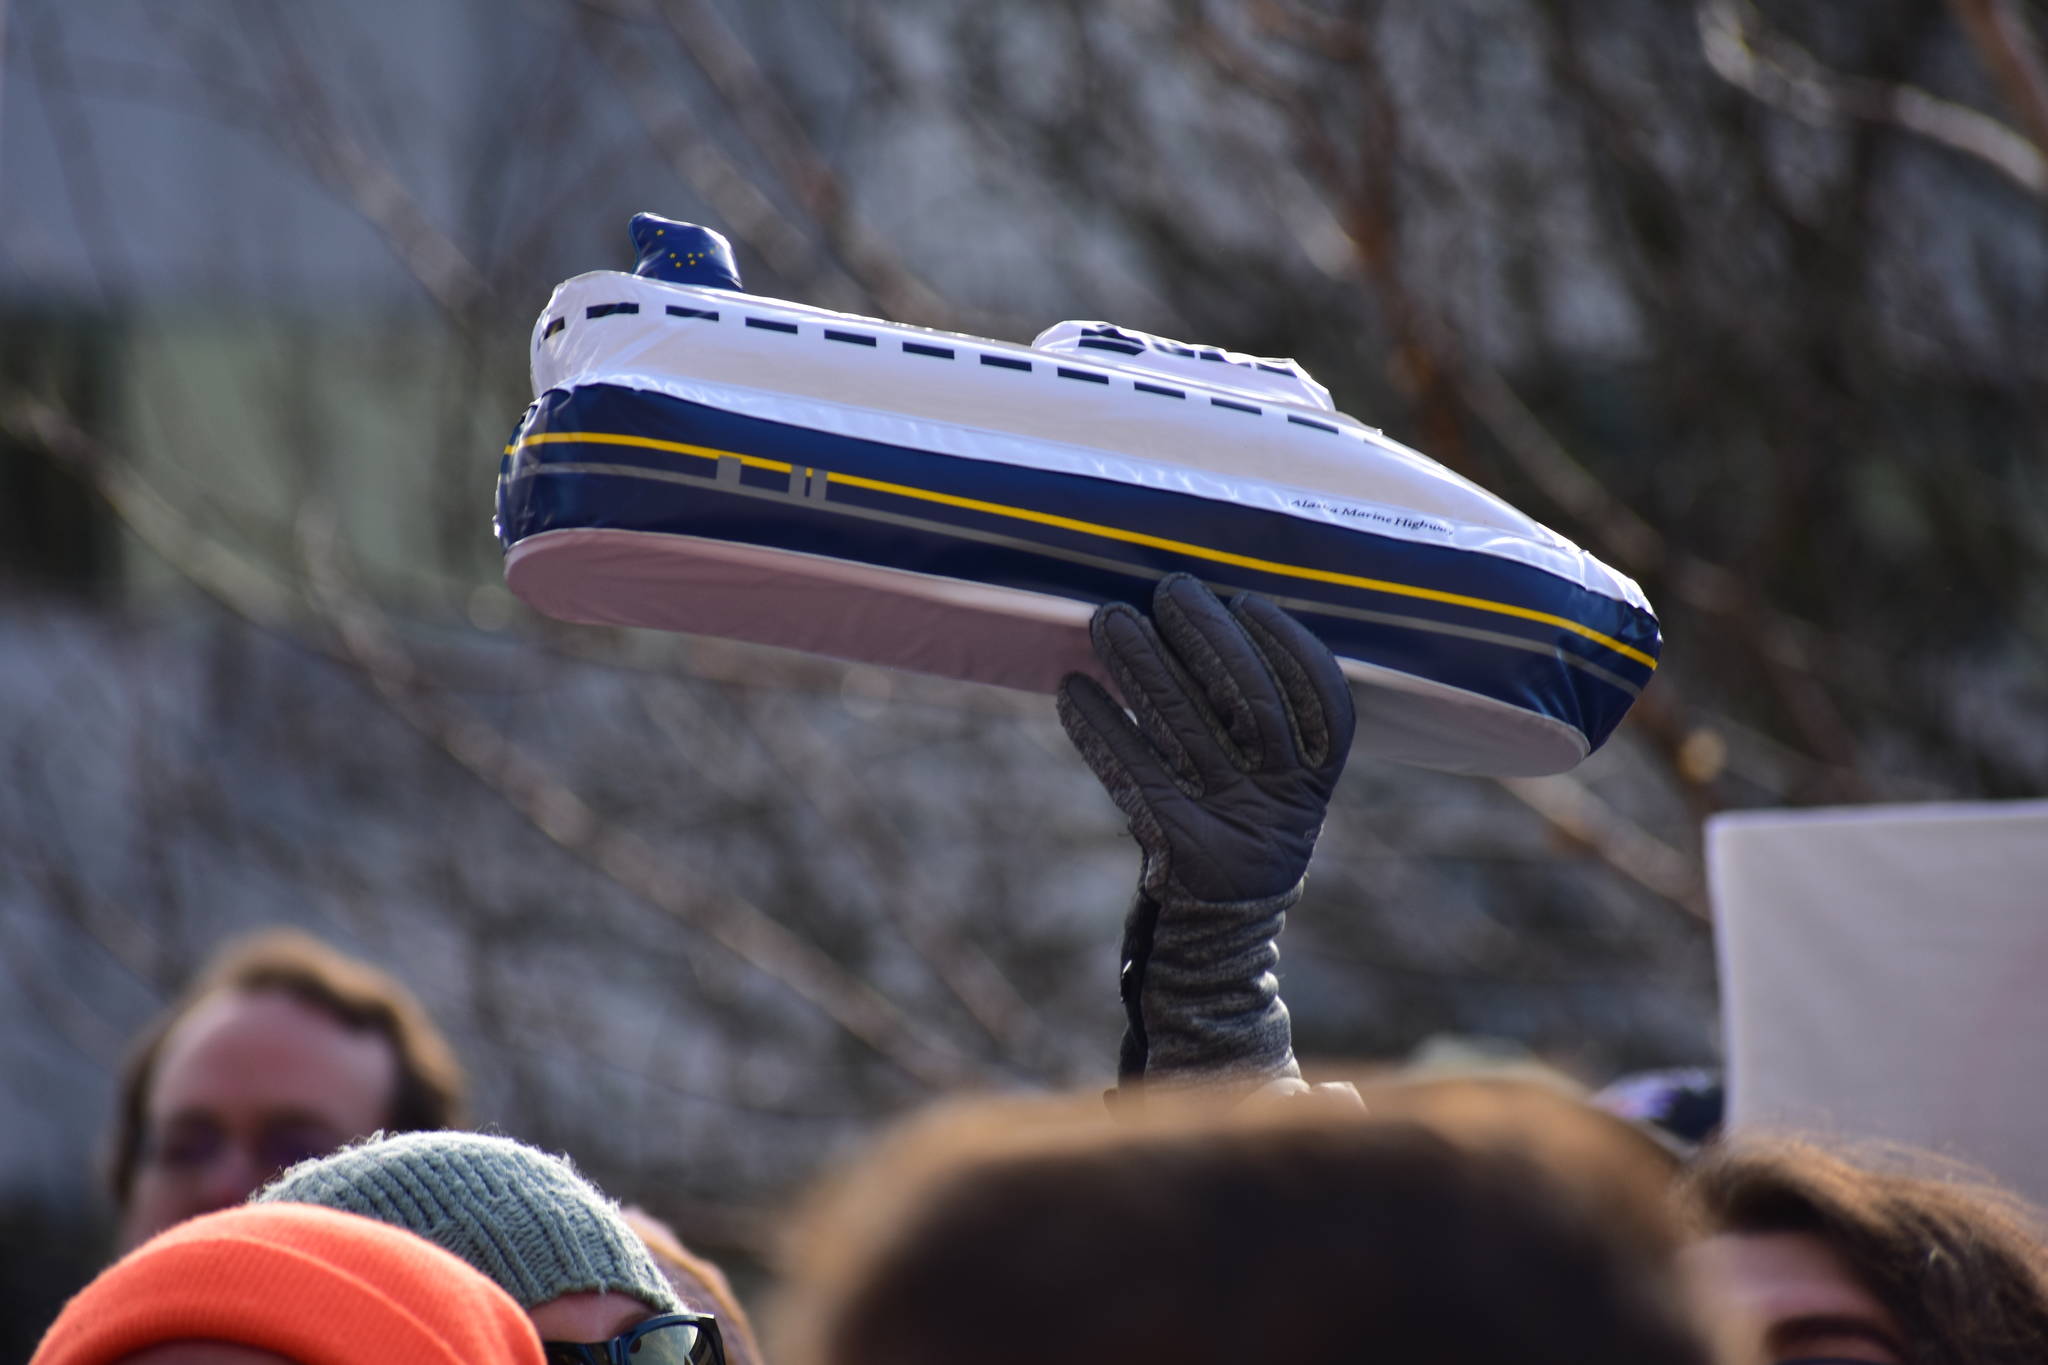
[
  {"x": 1352, "y": 550},
  {"x": 1104, "y": 562},
  {"x": 1317, "y": 547},
  {"x": 1518, "y": 672},
  {"x": 1541, "y": 668}
]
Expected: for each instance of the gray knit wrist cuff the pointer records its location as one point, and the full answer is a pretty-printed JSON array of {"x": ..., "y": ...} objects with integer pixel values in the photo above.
[{"x": 1211, "y": 1003}]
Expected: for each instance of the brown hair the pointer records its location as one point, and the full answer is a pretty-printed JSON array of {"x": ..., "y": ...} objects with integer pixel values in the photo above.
[
  {"x": 1957, "y": 1262},
  {"x": 1011, "y": 1231},
  {"x": 699, "y": 1282},
  {"x": 429, "y": 1092},
  {"x": 1616, "y": 1168}
]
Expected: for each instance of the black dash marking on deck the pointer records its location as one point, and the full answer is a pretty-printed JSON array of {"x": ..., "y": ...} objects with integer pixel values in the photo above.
[
  {"x": 1162, "y": 392},
  {"x": 1004, "y": 362},
  {"x": 919, "y": 348},
  {"x": 1311, "y": 422},
  {"x": 853, "y": 338},
  {"x": 771, "y": 325},
  {"x": 1212, "y": 355},
  {"x": 1234, "y": 407},
  {"x": 676, "y": 310},
  {"x": 553, "y": 327},
  {"x": 1088, "y": 376},
  {"x": 1122, "y": 347},
  {"x": 605, "y": 310},
  {"x": 1273, "y": 369}
]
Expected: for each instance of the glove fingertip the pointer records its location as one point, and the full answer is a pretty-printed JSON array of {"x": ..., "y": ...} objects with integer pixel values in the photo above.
[
  {"x": 1177, "y": 584},
  {"x": 1184, "y": 597},
  {"x": 1074, "y": 682},
  {"x": 1081, "y": 701},
  {"x": 1104, "y": 622},
  {"x": 1317, "y": 691}
]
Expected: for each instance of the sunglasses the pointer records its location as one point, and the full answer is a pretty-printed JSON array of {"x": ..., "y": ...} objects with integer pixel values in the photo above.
[{"x": 671, "y": 1339}]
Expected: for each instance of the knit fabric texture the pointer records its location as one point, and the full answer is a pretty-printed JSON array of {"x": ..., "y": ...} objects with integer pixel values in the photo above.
[
  {"x": 314, "y": 1285},
  {"x": 524, "y": 1218},
  {"x": 1209, "y": 1000}
]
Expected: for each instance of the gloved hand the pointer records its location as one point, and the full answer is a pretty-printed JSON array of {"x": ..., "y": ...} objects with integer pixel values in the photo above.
[{"x": 1242, "y": 725}]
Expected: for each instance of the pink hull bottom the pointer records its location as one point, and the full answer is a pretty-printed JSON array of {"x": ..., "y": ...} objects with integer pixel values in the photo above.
[{"x": 955, "y": 629}]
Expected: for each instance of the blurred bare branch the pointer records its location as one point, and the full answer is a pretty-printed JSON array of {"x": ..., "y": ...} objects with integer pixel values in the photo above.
[
  {"x": 1569, "y": 807},
  {"x": 1777, "y": 71},
  {"x": 365, "y": 638},
  {"x": 779, "y": 135},
  {"x": 1438, "y": 363},
  {"x": 564, "y": 817},
  {"x": 700, "y": 163},
  {"x": 1573, "y": 488},
  {"x": 97, "y": 1039},
  {"x": 127, "y": 938},
  {"x": 51, "y": 59},
  {"x": 2011, "y": 52},
  {"x": 4, "y": 35},
  {"x": 211, "y": 566},
  {"x": 300, "y": 114},
  {"x": 816, "y": 773}
]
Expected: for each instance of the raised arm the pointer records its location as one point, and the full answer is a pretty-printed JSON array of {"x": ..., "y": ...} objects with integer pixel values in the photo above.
[{"x": 1238, "y": 726}]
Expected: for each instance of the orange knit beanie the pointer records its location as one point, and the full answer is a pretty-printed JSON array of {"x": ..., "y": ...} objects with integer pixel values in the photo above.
[{"x": 316, "y": 1285}]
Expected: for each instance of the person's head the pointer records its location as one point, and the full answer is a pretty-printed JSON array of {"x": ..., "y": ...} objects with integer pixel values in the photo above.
[
  {"x": 280, "y": 1049},
  {"x": 521, "y": 1216},
  {"x": 1825, "y": 1256},
  {"x": 698, "y": 1282},
  {"x": 258, "y": 1285},
  {"x": 1615, "y": 1166},
  {"x": 1015, "y": 1231}
]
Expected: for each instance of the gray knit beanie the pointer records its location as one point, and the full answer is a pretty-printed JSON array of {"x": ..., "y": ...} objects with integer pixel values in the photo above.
[{"x": 522, "y": 1217}]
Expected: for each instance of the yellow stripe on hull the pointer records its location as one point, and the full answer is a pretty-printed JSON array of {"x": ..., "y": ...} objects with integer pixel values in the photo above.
[{"x": 1379, "y": 585}]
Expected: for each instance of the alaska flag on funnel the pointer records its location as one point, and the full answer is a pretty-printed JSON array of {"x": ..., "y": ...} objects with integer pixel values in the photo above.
[{"x": 683, "y": 253}]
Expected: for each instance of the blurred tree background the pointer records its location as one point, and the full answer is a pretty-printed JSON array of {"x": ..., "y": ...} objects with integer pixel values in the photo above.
[{"x": 1750, "y": 299}]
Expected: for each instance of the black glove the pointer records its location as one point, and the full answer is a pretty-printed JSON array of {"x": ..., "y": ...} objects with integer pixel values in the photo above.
[{"x": 1242, "y": 725}]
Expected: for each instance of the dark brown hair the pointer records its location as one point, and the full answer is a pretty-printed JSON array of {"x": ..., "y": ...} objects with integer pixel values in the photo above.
[
  {"x": 429, "y": 1092},
  {"x": 698, "y": 1282},
  {"x": 1616, "y": 1168},
  {"x": 1011, "y": 1233},
  {"x": 1957, "y": 1262}
]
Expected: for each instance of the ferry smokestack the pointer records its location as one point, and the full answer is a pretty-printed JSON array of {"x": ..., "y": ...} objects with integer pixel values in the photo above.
[{"x": 683, "y": 253}]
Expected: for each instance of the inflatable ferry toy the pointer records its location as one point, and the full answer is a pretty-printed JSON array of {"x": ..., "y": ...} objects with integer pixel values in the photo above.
[{"x": 704, "y": 460}]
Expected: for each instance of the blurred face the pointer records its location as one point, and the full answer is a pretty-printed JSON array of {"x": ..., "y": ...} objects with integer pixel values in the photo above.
[
  {"x": 246, "y": 1085},
  {"x": 587, "y": 1317},
  {"x": 1792, "y": 1298}
]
